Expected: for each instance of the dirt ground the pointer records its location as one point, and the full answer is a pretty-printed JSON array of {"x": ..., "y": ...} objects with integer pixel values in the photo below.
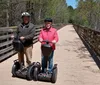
[{"x": 75, "y": 65}]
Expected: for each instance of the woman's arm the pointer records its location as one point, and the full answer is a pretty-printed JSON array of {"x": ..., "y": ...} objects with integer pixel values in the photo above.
[{"x": 55, "y": 37}]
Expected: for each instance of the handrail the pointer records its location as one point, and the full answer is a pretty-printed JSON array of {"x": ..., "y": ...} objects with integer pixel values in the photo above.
[{"x": 91, "y": 39}]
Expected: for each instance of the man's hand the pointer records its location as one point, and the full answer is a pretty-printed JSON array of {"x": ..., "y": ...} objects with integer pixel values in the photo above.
[
  {"x": 54, "y": 41},
  {"x": 22, "y": 38},
  {"x": 12, "y": 36}
]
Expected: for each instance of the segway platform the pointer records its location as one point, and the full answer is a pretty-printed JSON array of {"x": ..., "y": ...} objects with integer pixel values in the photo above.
[
  {"x": 47, "y": 76},
  {"x": 26, "y": 73}
]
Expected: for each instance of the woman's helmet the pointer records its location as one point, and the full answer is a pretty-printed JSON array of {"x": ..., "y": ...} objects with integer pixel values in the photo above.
[
  {"x": 48, "y": 20},
  {"x": 25, "y": 14}
]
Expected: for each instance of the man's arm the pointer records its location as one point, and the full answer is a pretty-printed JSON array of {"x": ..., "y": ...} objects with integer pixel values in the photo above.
[{"x": 15, "y": 34}]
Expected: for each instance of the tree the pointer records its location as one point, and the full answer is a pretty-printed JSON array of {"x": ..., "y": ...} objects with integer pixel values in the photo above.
[
  {"x": 88, "y": 13},
  {"x": 10, "y": 11},
  {"x": 55, "y": 9}
]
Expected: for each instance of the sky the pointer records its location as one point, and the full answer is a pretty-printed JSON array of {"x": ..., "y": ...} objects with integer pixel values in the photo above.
[{"x": 73, "y": 3}]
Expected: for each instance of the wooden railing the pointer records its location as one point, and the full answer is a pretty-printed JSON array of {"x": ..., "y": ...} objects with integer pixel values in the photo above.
[
  {"x": 91, "y": 38},
  {"x": 6, "y": 47}
]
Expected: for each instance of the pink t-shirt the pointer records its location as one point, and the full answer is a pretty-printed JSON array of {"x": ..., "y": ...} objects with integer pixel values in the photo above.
[{"x": 49, "y": 35}]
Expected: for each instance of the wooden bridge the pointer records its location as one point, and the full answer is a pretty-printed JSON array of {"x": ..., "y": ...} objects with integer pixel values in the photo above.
[{"x": 77, "y": 56}]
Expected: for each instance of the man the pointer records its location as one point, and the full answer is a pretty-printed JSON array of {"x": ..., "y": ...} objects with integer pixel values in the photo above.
[
  {"x": 48, "y": 33},
  {"x": 26, "y": 31}
]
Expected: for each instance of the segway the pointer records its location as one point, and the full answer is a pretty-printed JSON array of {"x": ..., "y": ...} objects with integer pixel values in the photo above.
[
  {"x": 46, "y": 76},
  {"x": 18, "y": 69}
]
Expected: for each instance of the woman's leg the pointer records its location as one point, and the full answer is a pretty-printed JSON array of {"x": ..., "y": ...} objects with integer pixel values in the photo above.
[
  {"x": 44, "y": 63},
  {"x": 51, "y": 61}
]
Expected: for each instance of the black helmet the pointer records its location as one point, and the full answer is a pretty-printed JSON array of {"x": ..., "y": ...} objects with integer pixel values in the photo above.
[
  {"x": 25, "y": 14},
  {"x": 48, "y": 20}
]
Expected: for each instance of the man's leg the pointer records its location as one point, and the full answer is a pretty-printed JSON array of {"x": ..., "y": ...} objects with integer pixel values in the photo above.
[
  {"x": 51, "y": 61},
  {"x": 21, "y": 58},
  {"x": 28, "y": 53}
]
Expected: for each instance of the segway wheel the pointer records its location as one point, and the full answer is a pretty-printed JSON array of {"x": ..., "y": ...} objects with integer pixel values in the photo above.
[
  {"x": 15, "y": 68},
  {"x": 30, "y": 73},
  {"x": 35, "y": 73},
  {"x": 54, "y": 75}
]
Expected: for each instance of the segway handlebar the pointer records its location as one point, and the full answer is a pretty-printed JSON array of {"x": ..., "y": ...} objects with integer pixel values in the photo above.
[{"x": 46, "y": 41}]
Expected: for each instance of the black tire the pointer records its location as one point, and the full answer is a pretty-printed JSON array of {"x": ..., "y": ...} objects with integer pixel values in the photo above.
[
  {"x": 54, "y": 75},
  {"x": 30, "y": 73},
  {"x": 15, "y": 68},
  {"x": 36, "y": 71}
]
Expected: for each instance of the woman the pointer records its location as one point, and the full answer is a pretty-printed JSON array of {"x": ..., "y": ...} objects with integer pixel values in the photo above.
[{"x": 48, "y": 33}]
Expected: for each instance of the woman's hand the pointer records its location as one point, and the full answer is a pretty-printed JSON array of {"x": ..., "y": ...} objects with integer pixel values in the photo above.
[
  {"x": 41, "y": 40},
  {"x": 54, "y": 41}
]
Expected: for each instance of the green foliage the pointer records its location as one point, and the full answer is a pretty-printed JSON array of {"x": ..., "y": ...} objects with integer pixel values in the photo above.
[
  {"x": 56, "y": 9},
  {"x": 88, "y": 13},
  {"x": 3, "y": 7},
  {"x": 39, "y": 9}
]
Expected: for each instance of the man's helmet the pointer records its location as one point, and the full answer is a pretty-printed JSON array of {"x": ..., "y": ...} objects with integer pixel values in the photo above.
[
  {"x": 25, "y": 14},
  {"x": 48, "y": 20}
]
